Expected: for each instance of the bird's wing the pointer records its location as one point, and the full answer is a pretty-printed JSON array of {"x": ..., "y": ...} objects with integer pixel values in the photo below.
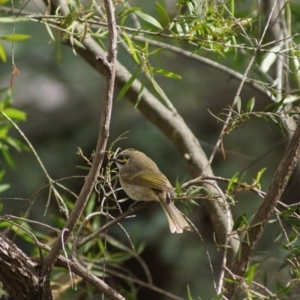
[{"x": 152, "y": 179}]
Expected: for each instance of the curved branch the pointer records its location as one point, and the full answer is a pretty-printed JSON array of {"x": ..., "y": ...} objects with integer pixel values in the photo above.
[{"x": 259, "y": 222}]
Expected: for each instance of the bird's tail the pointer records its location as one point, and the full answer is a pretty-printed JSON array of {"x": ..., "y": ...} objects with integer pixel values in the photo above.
[{"x": 177, "y": 222}]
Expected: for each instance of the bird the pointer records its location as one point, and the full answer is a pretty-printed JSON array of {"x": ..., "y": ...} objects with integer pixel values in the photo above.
[{"x": 142, "y": 180}]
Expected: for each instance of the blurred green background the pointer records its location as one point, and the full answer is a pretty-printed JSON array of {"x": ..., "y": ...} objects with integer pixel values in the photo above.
[{"x": 62, "y": 95}]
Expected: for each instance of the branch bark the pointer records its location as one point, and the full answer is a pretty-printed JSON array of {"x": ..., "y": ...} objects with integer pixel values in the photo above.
[{"x": 19, "y": 275}]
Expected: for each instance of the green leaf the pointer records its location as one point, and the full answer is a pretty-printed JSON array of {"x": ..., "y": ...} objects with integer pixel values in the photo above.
[
  {"x": 4, "y": 187},
  {"x": 1, "y": 205},
  {"x": 251, "y": 272},
  {"x": 259, "y": 174},
  {"x": 16, "y": 144},
  {"x": 233, "y": 180},
  {"x": 147, "y": 18},
  {"x": 140, "y": 94},
  {"x": 189, "y": 293},
  {"x": 13, "y": 19},
  {"x": 179, "y": 29},
  {"x": 219, "y": 296},
  {"x": 3, "y": 1},
  {"x": 128, "y": 84},
  {"x": 7, "y": 157},
  {"x": 250, "y": 105},
  {"x": 166, "y": 73},
  {"x": 15, "y": 114},
  {"x": 15, "y": 37},
  {"x": 7, "y": 99},
  {"x": 241, "y": 222},
  {"x": 162, "y": 12},
  {"x": 49, "y": 31},
  {"x": 238, "y": 102},
  {"x": 2, "y": 173},
  {"x": 293, "y": 221},
  {"x": 2, "y": 54},
  {"x": 131, "y": 47}
]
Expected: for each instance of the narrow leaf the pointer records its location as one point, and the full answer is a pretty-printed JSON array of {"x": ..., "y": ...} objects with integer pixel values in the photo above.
[
  {"x": 238, "y": 102},
  {"x": 2, "y": 53},
  {"x": 3, "y": 187},
  {"x": 49, "y": 31},
  {"x": 162, "y": 12},
  {"x": 240, "y": 222},
  {"x": 140, "y": 94},
  {"x": 189, "y": 293},
  {"x": 269, "y": 59},
  {"x": 250, "y": 105},
  {"x": 13, "y": 19},
  {"x": 128, "y": 84},
  {"x": 131, "y": 47},
  {"x": 166, "y": 73},
  {"x": 232, "y": 181},
  {"x": 15, "y": 114},
  {"x": 8, "y": 158},
  {"x": 251, "y": 272},
  {"x": 15, "y": 37},
  {"x": 147, "y": 18}
]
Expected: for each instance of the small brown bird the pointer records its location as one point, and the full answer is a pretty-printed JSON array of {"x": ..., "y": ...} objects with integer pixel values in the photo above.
[{"x": 143, "y": 181}]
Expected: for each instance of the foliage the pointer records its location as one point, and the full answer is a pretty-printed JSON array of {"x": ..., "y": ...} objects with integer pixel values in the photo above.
[{"x": 195, "y": 30}]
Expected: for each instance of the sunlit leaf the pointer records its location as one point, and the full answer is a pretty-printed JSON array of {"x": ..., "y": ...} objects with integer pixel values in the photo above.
[
  {"x": 3, "y": 187},
  {"x": 49, "y": 31},
  {"x": 259, "y": 174},
  {"x": 166, "y": 73},
  {"x": 269, "y": 59},
  {"x": 131, "y": 47},
  {"x": 238, "y": 102},
  {"x": 147, "y": 18},
  {"x": 13, "y": 19},
  {"x": 15, "y": 37},
  {"x": 15, "y": 114},
  {"x": 232, "y": 181},
  {"x": 2, "y": 54}
]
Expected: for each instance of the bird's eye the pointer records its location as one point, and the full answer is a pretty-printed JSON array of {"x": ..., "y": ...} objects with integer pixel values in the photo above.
[{"x": 122, "y": 159}]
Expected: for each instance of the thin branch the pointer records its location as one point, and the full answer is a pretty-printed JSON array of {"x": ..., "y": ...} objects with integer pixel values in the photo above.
[
  {"x": 101, "y": 143},
  {"x": 111, "y": 223}
]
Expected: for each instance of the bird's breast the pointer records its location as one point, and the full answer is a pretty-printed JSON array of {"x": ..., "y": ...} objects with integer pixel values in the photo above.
[{"x": 140, "y": 193}]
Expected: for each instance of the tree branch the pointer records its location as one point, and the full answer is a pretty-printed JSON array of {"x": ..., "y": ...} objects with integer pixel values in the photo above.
[
  {"x": 101, "y": 143},
  {"x": 259, "y": 222},
  {"x": 19, "y": 274}
]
